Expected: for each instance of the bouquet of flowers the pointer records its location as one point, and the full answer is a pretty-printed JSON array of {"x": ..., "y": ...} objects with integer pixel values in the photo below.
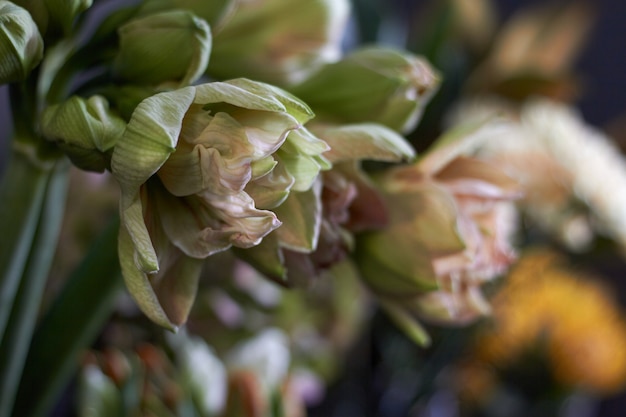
[{"x": 206, "y": 203}]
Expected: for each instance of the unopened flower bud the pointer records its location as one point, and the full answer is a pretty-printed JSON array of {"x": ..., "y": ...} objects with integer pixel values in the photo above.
[
  {"x": 279, "y": 41},
  {"x": 21, "y": 45},
  {"x": 372, "y": 85},
  {"x": 85, "y": 129},
  {"x": 147, "y": 45}
]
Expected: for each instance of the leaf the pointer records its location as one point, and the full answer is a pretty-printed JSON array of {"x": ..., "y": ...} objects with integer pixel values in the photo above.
[{"x": 407, "y": 323}]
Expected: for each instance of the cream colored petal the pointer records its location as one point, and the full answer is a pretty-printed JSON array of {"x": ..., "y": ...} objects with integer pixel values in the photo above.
[
  {"x": 191, "y": 225},
  {"x": 271, "y": 190},
  {"x": 184, "y": 173},
  {"x": 245, "y": 225},
  {"x": 472, "y": 176},
  {"x": 265, "y": 131},
  {"x": 301, "y": 215},
  {"x": 460, "y": 140}
]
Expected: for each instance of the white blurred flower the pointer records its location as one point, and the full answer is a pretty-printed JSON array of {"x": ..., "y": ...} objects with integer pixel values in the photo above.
[
  {"x": 202, "y": 370},
  {"x": 267, "y": 355},
  {"x": 574, "y": 176}
]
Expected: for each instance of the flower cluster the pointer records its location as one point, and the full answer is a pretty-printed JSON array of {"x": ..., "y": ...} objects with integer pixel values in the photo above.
[
  {"x": 210, "y": 157},
  {"x": 252, "y": 146}
]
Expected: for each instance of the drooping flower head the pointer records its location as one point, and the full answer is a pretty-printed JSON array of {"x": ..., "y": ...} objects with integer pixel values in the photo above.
[
  {"x": 191, "y": 164},
  {"x": 451, "y": 218}
]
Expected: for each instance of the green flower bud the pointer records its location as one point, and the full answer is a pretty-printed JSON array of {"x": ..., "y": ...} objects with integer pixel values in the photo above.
[
  {"x": 37, "y": 10},
  {"x": 279, "y": 41},
  {"x": 85, "y": 129},
  {"x": 169, "y": 47},
  {"x": 372, "y": 85},
  {"x": 21, "y": 45},
  {"x": 185, "y": 163}
]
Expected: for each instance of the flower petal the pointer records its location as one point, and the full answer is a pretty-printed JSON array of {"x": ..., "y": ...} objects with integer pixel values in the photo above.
[
  {"x": 134, "y": 224},
  {"x": 366, "y": 141},
  {"x": 301, "y": 155},
  {"x": 271, "y": 190},
  {"x": 266, "y": 257},
  {"x": 138, "y": 284},
  {"x": 470, "y": 176},
  {"x": 301, "y": 215},
  {"x": 150, "y": 137}
]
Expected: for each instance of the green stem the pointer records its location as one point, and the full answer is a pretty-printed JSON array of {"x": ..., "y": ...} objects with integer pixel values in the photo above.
[
  {"x": 23, "y": 316},
  {"x": 21, "y": 192},
  {"x": 71, "y": 325}
]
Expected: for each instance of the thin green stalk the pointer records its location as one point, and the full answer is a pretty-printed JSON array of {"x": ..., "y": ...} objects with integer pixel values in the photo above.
[
  {"x": 70, "y": 326},
  {"x": 21, "y": 192},
  {"x": 23, "y": 316}
]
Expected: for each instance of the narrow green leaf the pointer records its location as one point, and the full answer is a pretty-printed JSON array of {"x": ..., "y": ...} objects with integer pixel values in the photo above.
[
  {"x": 22, "y": 192},
  {"x": 407, "y": 323},
  {"x": 14, "y": 346},
  {"x": 69, "y": 326}
]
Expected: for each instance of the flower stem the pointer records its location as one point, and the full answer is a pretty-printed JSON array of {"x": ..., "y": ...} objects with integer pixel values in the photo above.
[
  {"x": 22, "y": 192},
  {"x": 70, "y": 325},
  {"x": 23, "y": 316}
]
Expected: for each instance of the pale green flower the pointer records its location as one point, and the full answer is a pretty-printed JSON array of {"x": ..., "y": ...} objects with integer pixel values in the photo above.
[{"x": 185, "y": 164}]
